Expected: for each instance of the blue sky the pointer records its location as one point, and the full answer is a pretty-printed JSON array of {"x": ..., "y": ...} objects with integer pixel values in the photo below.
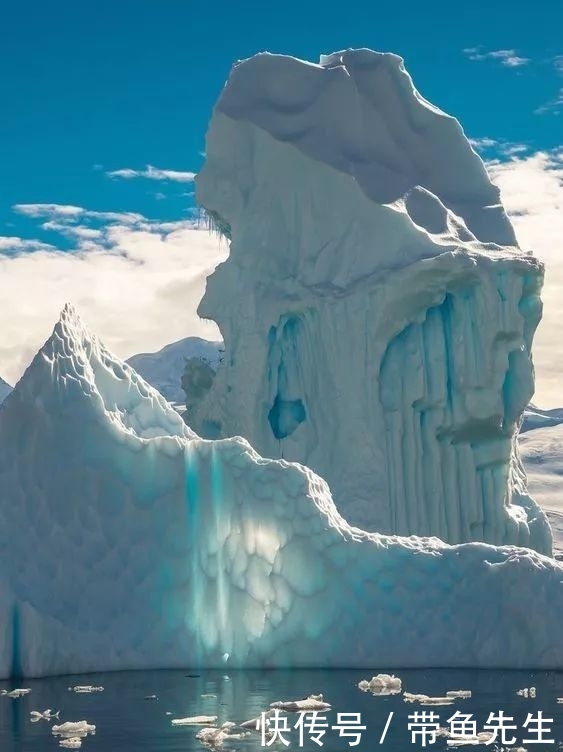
[{"x": 96, "y": 87}]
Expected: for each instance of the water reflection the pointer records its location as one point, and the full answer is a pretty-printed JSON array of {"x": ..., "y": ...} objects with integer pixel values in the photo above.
[{"x": 126, "y": 721}]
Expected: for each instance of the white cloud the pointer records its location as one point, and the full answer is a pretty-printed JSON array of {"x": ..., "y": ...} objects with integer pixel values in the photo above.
[
  {"x": 554, "y": 105},
  {"x": 153, "y": 173},
  {"x": 66, "y": 213},
  {"x": 508, "y": 58},
  {"x": 10, "y": 243},
  {"x": 532, "y": 192},
  {"x": 138, "y": 289}
]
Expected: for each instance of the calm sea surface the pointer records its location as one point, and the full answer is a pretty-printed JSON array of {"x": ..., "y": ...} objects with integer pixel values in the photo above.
[{"x": 127, "y": 722}]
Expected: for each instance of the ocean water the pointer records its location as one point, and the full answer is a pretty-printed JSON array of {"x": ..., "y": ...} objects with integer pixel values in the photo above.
[{"x": 127, "y": 722}]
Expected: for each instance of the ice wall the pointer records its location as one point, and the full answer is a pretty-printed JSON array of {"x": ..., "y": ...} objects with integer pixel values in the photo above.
[
  {"x": 127, "y": 542},
  {"x": 376, "y": 311}
]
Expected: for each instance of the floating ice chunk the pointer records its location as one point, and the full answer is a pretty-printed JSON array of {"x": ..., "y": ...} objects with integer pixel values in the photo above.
[
  {"x": 313, "y": 702},
  {"x": 195, "y": 720},
  {"x": 74, "y": 729},
  {"x": 527, "y": 692},
  {"x": 72, "y": 742},
  {"x": 85, "y": 689},
  {"x": 214, "y": 737},
  {"x": 454, "y": 740},
  {"x": 151, "y": 697},
  {"x": 15, "y": 693},
  {"x": 427, "y": 699},
  {"x": 45, "y": 715},
  {"x": 461, "y": 694},
  {"x": 255, "y": 724},
  {"x": 560, "y": 700},
  {"x": 382, "y": 684}
]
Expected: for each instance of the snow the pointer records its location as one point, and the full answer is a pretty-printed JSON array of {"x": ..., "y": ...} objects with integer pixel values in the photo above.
[
  {"x": 5, "y": 390},
  {"x": 182, "y": 550},
  {"x": 542, "y": 454},
  {"x": 164, "y": 369},
  {"x": 376, "y": 311}
]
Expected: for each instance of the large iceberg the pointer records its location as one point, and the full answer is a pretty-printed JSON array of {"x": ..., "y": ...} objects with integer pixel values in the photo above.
[
  {"x": 376, "y": 310},
  {"x": 128, "y": 542}
]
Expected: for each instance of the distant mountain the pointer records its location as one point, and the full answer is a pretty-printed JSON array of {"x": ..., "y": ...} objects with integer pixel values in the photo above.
[
  {"x": 5, "y": 390},
  {"x": 164, "y": 369},
  {"x": 535, "y": 417}
]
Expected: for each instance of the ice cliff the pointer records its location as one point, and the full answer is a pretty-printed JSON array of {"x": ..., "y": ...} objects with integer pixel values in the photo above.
[
  {"x": 376, "y": 310},
  {"x": 127, "y": 542}
]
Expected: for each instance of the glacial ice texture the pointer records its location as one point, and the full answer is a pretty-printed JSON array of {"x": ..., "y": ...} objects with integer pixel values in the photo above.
[
  {"x": 128, "y": 542},
  {"x": 376, "y": 310}
]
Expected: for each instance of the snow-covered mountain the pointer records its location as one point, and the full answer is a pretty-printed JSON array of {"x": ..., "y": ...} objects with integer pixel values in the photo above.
[
  {"x": 5, "y": 390},
  {"x": 535, "y": 417},
  {"x": 163, "y": 369},
  {"x": 186, "y": 552},
  {"x": 376, "y": 310}
]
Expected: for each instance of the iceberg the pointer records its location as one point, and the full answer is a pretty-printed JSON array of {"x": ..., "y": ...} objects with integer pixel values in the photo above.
[
  {"x": 376, "y": 310},
  {"x": 129, "y": 542}
]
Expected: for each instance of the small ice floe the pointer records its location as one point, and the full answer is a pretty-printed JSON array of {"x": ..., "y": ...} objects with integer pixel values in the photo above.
[
  {"x": 455, "y": 740},
  {"x": 195, "y": 720},
  {"x": 15, "y": 693},
  {"x": 151, "y": 697},
  {"x": 382, "y": 684},
  {"x": 71, "y": 742},
  {"x": 528, "y": 692},
  {"x": 84, "y": 689},
  {"x": 310, "y": 703},
  {"x": 214, "y": 737},
  {"x": 209, "y": 696},
  {"x": 255, "y": 724},
  {"x": 559, "y": 700},
  {"x": 168, "y": 712},
  {"x": 71, "y": 729},
  {"x": 459, "y": 694},
  {"x": 427, "y": 699},
  {"x": 46, "y": 715}
]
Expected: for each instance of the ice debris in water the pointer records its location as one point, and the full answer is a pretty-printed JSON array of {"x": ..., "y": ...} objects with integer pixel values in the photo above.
[
  {"x": 526, "y": 692},
  {"x": 151, "y": 697},
  {"x": 15, "y": 693},
  {"x": 454, "y": 740},
  {"x": 85, "y": 689},
  {"x": 195, "y": 720},
  {"x": 214, "y": 737},
  {"x": 461, "y": 694},
  {"x": 382, "y": 684},
  {"x": 74, "y": 729},
  {"x": 310, "y": 703},
  {"x": 427, "y": 699},
  {"x": 45, "y": 715},
  {"x": 71, "y": 742},
  {"x": 255, "y": 724}
]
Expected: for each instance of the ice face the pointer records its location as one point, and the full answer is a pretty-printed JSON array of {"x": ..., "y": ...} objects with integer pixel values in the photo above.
[
  {"x": 376, "y": 311},
  {"x": 129, "y": 542}
]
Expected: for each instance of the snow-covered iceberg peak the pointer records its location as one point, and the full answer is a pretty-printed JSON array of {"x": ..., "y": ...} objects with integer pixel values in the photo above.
[
  {"x": 77, "y": 364},
  {"x": 122, "y": 551},
  {"x": 376, "y": 310}
]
